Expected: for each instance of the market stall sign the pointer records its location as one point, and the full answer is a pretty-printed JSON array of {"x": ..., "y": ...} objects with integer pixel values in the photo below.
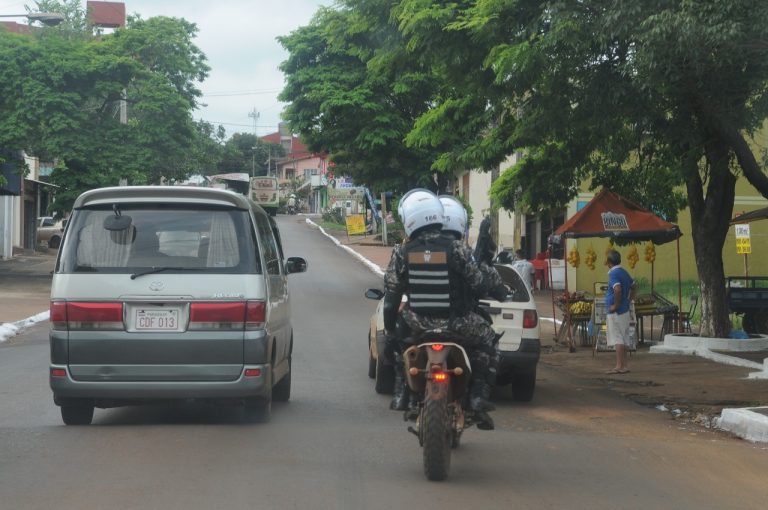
[{"x": 614, "y": 222}]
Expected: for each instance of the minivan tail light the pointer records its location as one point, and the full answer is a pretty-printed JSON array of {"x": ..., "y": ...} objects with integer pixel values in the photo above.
[
  {"x": 79, "y": 315},
  {"x": 530, "y": 319},
  {"x": 58, "y": 315},
  {"x": 256, "y": 314},
  {"x": 208, "y": 316}
]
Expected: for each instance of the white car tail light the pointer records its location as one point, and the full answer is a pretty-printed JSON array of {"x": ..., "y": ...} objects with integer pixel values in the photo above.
[{"x": 530, "y": 319}]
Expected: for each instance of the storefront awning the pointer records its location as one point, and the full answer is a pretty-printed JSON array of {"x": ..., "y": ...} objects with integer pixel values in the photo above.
[{"x": 611, "y": 215}]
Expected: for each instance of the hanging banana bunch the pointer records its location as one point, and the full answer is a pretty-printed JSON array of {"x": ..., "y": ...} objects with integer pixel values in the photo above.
[
  {"x": 573, "y": 257},
  {"x": 650, "y": 252},
  {"x": 591, "y": 257},
  {"x": 633, "y": 257}
]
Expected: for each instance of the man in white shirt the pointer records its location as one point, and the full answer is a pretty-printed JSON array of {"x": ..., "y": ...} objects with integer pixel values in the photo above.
[{"x": 523, "y": 268}]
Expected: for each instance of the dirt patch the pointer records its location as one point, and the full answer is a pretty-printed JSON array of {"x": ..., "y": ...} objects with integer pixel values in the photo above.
[{"x": 690, "y": 388}]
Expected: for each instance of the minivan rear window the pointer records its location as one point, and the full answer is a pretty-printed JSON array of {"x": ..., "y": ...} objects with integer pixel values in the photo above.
[{"x": 215, "y": 240}]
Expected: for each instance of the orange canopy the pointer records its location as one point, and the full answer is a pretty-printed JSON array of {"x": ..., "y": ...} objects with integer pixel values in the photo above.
[{"x": 611, "y": 215}]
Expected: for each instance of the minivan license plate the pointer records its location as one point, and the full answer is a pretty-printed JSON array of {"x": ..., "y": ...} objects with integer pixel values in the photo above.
[{"x": 157, "y": 319}]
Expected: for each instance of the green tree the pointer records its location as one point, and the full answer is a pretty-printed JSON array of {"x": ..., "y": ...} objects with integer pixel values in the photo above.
[
  {"x": 247, "y": 153},
  {"x": 61, "y": 98},
  {"x": 354, "y": 92},
  {"x": 649, "y": 98}
]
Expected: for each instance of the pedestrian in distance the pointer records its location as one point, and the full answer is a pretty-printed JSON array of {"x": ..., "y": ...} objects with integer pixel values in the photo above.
[
  {"x": 524, "y": 268},
  {"x": 617, "y": 298}
]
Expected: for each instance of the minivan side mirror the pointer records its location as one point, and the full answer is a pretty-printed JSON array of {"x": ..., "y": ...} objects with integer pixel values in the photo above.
[
  {"x": 295, "y": 265},
  {"x": 374, "y": 294}
]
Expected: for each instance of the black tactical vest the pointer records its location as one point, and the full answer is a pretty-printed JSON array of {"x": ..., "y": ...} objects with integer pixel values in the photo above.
[{"x": 432, "y": 285}]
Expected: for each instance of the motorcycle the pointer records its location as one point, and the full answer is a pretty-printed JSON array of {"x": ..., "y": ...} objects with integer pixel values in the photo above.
[
  {"x": 438, "y": 370},
  {"x": 291, "y": 209}
]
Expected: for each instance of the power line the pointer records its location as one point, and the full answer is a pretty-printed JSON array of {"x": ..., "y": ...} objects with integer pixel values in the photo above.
[
  {"x": 232, "y": 124},
  {"x": 236, "y": 94}
]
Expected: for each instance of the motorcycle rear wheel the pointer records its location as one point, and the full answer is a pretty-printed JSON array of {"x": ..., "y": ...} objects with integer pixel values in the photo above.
[{"x": 437, "y": 438}]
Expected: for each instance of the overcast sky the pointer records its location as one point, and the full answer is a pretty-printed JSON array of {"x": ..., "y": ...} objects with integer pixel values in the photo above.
[{"x": 238, "y": 37}]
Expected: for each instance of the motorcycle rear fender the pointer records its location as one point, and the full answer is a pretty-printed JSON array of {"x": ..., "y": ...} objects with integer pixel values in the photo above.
[{"x": 422, "y": 357}]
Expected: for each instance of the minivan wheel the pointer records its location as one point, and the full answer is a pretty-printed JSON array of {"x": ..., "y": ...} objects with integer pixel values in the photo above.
[
  {"x": 258, "y": 410},
  {"x": 281, "y": 392},
  {"x": 79, "y": 414}
]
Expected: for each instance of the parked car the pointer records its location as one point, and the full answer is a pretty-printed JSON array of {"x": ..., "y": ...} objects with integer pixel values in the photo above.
[
  {"x": 50, "y": 231},
  {"x": 166, "y": 293},
  {"x": 520, "y": 345}
]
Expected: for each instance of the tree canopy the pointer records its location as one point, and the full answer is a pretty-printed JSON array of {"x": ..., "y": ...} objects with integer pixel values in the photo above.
[
  {"x": 61, "y": 97},
  {"x": 657, "y": 100},
  {"x": 354, "y": 93}
]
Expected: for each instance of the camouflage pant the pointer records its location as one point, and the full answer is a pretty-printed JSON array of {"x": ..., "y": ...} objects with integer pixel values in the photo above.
[{"x": 478, "y": 338}]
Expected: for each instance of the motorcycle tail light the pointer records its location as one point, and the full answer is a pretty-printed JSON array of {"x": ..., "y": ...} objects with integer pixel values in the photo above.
[
  {"x": 440, "y": 376},
  {"x": 437, "y": 347}
]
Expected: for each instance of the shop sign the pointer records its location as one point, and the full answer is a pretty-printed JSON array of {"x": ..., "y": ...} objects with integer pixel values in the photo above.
[
  {"x": 614, "y": 222},
  {"x": 355, "y": 224}
]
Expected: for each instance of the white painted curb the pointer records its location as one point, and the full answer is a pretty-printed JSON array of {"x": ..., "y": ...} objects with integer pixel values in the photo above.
[
  {"x": 11, "y": 329},
  {"x": 373, "y": 267},
  {"x": 745, "y": 423}
]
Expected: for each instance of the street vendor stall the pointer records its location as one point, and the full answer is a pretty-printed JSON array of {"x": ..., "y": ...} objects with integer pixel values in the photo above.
[{"x": 609, "y": 215}]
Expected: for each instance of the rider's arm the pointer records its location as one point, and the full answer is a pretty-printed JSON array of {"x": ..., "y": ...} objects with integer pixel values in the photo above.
[
  {"x": 394, "y": 283},
  {"x": 464, "y": 263}
]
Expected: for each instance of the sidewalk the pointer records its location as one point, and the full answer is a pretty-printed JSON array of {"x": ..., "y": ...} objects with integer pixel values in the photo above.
[
  {"x": 691, "y": 389},
  {"x": 25, "y": 287}
]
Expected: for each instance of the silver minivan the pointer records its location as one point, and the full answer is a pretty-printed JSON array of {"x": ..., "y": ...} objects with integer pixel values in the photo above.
[{"x": 165, "y": 293}]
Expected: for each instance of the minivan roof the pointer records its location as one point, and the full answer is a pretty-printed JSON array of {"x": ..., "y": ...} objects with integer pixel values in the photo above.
[{"x": 163, "y": 194}]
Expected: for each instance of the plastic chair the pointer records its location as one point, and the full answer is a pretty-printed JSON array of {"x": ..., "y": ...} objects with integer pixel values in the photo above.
[{"x": 685, "y": 317}]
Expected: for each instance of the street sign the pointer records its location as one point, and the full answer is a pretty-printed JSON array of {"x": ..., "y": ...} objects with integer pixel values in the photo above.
[
  {"x": 742, "y": 231},
  {"x": 743, "y": 241},
  {"x": 743, "y": 245}
]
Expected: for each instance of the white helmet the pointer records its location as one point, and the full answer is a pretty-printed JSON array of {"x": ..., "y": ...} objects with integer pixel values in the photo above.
[
  {"x": 454, "y": 215},
  {"x": 419, "y": 208}
]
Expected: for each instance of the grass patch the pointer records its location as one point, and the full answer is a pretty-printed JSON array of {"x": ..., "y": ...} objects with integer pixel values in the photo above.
[{"x": 327, "y": 225}]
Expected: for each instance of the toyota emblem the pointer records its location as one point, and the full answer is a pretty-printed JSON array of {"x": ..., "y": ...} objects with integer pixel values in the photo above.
[{"x": 158, "y": 285}]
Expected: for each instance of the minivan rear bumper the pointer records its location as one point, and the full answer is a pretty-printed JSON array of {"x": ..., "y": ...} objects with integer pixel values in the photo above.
[{"x": 241, "y": 388}]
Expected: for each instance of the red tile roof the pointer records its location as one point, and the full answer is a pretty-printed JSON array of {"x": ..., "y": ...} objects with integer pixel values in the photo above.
[{"x": 106, "y": 14}]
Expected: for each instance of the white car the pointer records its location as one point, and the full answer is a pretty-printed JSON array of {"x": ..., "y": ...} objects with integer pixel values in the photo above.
[{"x": 519, "y": 347}]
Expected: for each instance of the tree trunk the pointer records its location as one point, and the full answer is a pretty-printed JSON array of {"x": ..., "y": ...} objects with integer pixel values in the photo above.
[{"x": 710, "y": 216}]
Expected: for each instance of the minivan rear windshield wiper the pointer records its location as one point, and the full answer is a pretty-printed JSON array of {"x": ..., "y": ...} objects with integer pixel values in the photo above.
[{"x": 165, "y": 268}]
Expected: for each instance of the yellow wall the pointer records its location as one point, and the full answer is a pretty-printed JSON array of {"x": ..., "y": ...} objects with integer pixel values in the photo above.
[{"x": 666, "y": 255}]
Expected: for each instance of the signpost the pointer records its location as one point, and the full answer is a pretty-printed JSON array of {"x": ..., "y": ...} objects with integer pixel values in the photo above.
[{"x": 743, "y": 244}]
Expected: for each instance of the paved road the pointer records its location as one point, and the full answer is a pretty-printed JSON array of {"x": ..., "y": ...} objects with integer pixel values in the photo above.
[{"x": 335, "y": 445}]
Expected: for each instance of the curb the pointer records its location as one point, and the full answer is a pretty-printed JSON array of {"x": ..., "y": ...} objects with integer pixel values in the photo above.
[
  {"x": 373, "y": 267},
  {"x": 10, "y": 329}
]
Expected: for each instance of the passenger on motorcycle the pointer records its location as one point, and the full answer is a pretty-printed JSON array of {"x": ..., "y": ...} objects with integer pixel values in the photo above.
[{"x": 441, "y": 279}]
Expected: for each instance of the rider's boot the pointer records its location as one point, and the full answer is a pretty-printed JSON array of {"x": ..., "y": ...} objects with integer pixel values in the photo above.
[
  {"x": 480, "y": 396},
  {"x": 402, "y": 393},
  {"x": 483, "y": 382}
]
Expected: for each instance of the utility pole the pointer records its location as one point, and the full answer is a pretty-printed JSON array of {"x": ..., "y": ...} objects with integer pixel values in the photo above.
[{"x": 254, "y": 114}]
